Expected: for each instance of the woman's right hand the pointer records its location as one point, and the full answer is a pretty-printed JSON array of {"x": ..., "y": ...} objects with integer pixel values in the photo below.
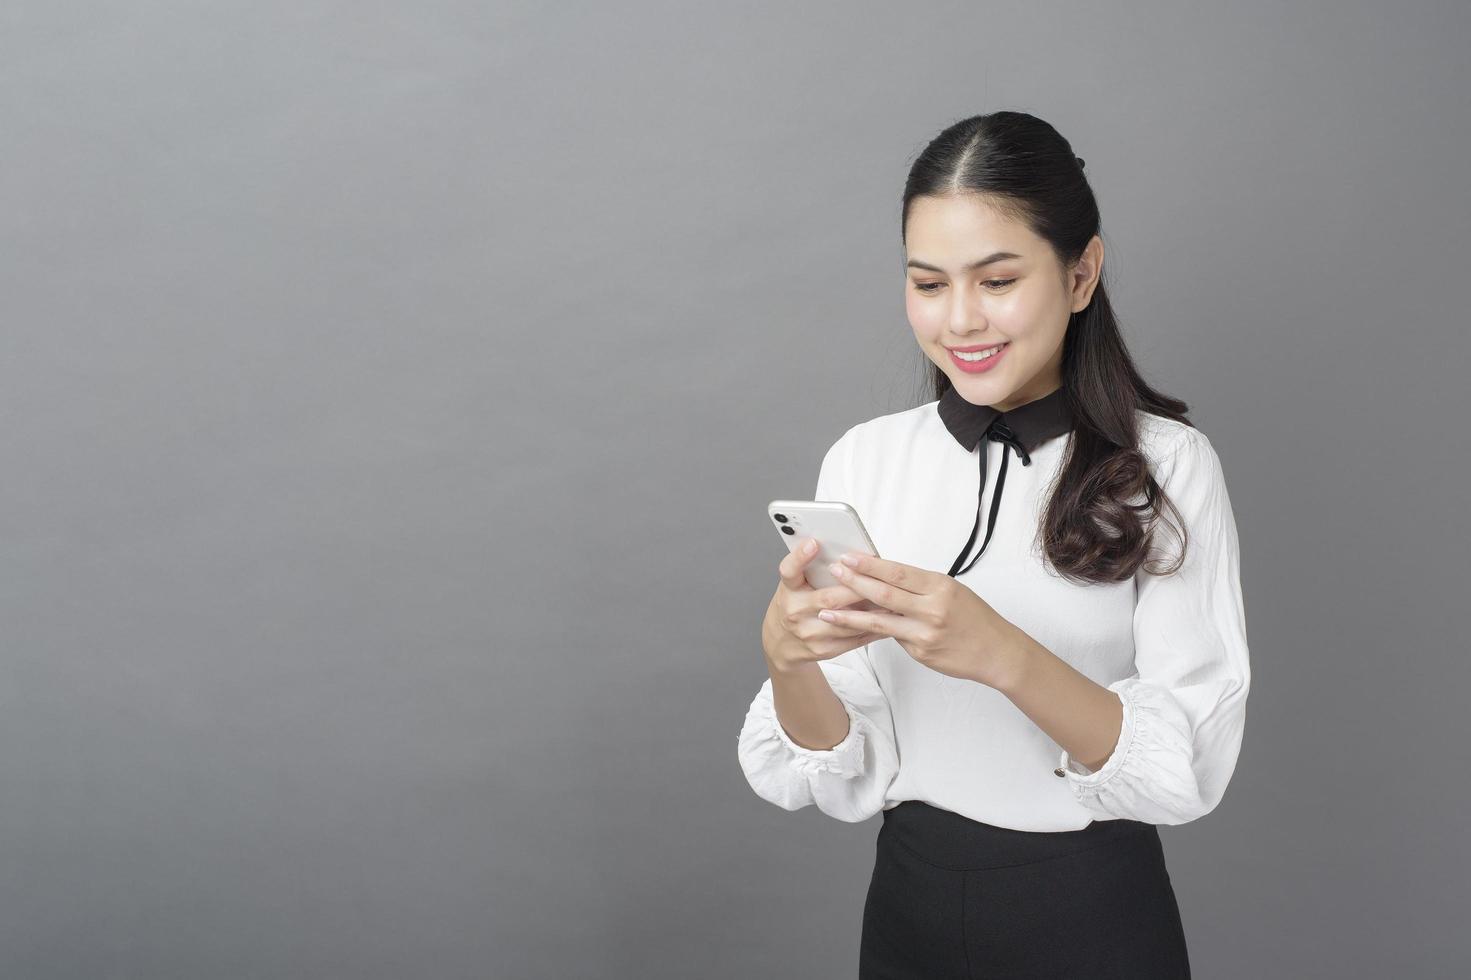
[{"x": 792, "y": 634}]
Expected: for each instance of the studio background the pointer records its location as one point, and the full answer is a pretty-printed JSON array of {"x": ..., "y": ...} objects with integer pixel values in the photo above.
[{"x": 392, "y": 393}]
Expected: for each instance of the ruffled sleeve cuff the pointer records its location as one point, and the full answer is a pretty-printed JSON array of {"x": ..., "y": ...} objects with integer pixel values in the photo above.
[
  {"x": 1149, "y": 776},
  {"x": 1080, "y": 776}
]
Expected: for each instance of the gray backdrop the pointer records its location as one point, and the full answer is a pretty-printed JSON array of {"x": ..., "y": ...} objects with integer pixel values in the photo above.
[{"x": 392, "y": 393}]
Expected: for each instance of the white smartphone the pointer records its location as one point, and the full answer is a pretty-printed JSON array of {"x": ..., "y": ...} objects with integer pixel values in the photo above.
[{"x": 836, "y": 526}]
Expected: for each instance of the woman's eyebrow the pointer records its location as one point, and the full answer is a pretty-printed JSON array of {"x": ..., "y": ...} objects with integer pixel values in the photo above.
[{"x": 993, "y": 257}]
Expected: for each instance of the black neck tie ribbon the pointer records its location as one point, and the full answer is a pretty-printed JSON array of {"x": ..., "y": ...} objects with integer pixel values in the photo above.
[{"x": 1022, "y": 429}]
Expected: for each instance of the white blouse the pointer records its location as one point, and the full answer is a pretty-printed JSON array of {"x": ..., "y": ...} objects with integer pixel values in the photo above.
[{"x": 1172, "y": 648}]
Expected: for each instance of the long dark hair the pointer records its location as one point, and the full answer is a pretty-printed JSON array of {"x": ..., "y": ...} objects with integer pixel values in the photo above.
[{"x": 1105, "y": 504}]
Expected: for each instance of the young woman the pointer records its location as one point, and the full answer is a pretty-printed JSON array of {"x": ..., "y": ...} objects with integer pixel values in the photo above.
[{"x": 1050, "y": 658}]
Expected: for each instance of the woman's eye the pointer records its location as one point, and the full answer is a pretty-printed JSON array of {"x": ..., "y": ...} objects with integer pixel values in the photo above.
[{"x": 930, "y": 287}]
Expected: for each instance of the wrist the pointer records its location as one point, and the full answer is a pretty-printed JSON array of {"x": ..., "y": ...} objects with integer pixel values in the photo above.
[
  {"x": 778, "y": 665},
  {"x": 1017, "y": 657}
]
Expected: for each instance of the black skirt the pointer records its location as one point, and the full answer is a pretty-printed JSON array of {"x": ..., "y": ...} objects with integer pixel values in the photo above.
[{"x": 953, "y": 897}]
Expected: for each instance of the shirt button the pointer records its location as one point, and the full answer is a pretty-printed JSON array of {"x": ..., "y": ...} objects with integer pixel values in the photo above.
[{"x": 1058, "y": 772}]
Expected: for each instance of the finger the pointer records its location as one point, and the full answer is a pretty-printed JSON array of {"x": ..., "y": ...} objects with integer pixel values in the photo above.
[
  {"x": 793, "y": 565},
  {"x": 856, "y": 641},
  {"x": 840, "y": 632},
  {"x": 824, "y": 630},
  {"x": 839, "y": 597},
  {"x": 907, "y": 578},
  {"x": 883, "y": 624},
  {"x": 832, "y": 597},
  {"x": 890, "y": 597}
]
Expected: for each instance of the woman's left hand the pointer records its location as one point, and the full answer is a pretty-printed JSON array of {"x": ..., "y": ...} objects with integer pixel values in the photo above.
[{"x": 937, "y": 620}]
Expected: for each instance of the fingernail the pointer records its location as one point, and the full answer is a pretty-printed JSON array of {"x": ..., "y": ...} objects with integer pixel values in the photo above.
[
  {"x": 809, "y": 547},
  {"x": 850, "y": 559},
  {"x": 837, "y": 569}
]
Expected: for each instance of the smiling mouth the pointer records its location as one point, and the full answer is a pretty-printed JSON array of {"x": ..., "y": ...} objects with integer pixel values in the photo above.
[{"x": 978, "y": 353}]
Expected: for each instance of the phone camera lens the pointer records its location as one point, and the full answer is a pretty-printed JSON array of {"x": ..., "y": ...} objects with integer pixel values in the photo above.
[
  {"x": 779, "y": 518},
  {"x": 787, "y": 529}
]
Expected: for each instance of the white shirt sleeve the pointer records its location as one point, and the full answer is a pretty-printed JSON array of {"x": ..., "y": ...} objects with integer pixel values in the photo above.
[
  {"x": 1185, "y": 706},
  {"x": 848, "y": 781}
]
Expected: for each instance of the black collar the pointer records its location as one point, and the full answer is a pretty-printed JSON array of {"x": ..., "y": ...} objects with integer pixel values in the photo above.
[
  {"x": 1022, "y": 429},
  {"x": 1032, "y": 424}
]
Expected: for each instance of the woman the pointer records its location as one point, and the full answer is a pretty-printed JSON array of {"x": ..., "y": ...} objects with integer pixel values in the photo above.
[{"x": 1026, "y": 711}]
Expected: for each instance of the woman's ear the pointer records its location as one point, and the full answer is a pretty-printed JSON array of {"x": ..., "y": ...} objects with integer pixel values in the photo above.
[{"x": 1086, "y": 272}]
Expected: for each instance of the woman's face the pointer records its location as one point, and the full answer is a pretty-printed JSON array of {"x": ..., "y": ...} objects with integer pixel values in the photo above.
[{"x": 977, "y": 278}]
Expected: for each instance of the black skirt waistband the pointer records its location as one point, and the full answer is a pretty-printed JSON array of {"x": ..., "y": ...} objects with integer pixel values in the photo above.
[{"x": 955, "y": 842}]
